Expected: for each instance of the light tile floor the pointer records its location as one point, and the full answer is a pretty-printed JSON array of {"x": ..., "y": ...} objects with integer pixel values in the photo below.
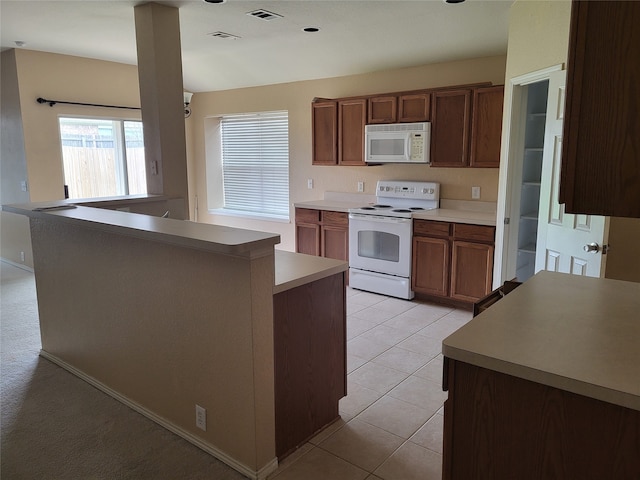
[{"x": 392, "y": 417}]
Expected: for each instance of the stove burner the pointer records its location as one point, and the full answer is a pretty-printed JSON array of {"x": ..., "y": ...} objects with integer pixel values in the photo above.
[
  {"x": 382, "y": 206},
  {"x": 416, "y": 208},
  {"x": 367, "y": 208},
  {"x": 401, "y": 210}
]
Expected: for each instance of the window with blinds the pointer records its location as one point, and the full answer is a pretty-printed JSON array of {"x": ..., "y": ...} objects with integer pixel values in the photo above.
[{"x": 255, "y": 163}]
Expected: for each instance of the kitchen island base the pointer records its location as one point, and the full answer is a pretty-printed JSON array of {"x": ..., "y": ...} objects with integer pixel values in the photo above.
[{"x": 498, "y": 426}]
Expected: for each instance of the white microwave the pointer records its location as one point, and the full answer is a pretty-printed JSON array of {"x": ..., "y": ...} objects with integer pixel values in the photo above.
[{"x": 397, "y": 143}]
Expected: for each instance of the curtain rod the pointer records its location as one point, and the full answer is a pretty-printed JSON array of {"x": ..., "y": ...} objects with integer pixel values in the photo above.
[{"x": 53, "y": 102}]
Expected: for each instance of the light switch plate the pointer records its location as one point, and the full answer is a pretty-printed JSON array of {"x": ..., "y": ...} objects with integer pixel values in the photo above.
[{"x": 475, "y": 193}]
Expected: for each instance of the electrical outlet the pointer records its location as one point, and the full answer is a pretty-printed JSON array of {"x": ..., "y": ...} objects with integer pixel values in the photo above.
[
  {"x": 23, "y": 186},
  {"x": 22, "y": 257},
  {"x": 361, "y": 186},
  {"x": 309, "y": 183},
  {"x": 201, "y": 418},
  {"x": 154, "y": 167},
  {"x": 475, "y": 193}
]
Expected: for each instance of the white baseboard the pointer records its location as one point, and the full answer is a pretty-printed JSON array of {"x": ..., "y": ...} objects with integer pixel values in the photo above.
[
  {"x": 21, "y": 266},
  {"x": 220, "y": 455}
]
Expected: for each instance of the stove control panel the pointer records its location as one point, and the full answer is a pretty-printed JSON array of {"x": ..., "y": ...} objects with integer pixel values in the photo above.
[{"x": 408, "y": 189}]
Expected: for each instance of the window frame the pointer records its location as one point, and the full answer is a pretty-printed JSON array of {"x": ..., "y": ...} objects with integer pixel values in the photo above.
[
  {"x": 121, "y": 161},
  {"x": 217, "y": 165}
]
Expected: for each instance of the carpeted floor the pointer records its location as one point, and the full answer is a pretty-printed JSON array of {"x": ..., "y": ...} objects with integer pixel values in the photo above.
[{"x": 56, "y": 426}]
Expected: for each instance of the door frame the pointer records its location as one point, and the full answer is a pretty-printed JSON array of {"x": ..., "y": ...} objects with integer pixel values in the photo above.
[{"x": 513, "y": 129}]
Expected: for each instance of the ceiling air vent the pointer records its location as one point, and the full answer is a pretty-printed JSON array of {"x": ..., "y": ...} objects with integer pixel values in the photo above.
[
  {"x": 264, "y": 15},
  {"x": 224, "y": 35}
]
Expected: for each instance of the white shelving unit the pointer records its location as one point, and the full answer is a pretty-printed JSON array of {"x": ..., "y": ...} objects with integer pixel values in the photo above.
[{"x": 536, "y": 114}]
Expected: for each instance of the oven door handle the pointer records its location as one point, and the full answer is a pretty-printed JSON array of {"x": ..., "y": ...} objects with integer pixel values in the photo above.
[{"x": 379, "y": 218}]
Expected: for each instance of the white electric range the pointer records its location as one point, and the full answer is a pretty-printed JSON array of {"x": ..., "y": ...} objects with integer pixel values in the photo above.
[{"x": 380, "y": 236}]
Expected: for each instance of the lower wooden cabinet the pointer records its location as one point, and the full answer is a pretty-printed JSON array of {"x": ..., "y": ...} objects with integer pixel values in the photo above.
[
  {"x": 497, "y": 426},
  {"x": 310, "y": 362},
  {"x": 452, "y": 260},
  {"x": 322, "y": 233},
  {"x": 471, "y": 270},
  {"x": 435, "y": 253}
]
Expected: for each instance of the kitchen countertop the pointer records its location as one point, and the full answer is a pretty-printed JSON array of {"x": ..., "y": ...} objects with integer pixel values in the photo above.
[
  {"x": 291, "y": 269},
  {"x": 458, "y": 211},
  {"x": 577, "y": 334},
  {"x": 457, "y": 216},
  {"x": 212, "y": 238},
  {"x": 296, "y": 269}
]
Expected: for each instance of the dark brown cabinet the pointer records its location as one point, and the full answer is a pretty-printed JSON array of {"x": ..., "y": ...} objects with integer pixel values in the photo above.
[
  {"x": 466, "y": 124},
  {"x": 500, "y": 426},
  {"x": 352, "y": 116},
  {"x": 414, "y": 108},
  {"x": 383, "y": 110},
  {"x": 308, "y": 231},
  {"x": 325, "y": 133},
  {"x": 452, "y": 260},
  {"x": 310, "y": 368},
  {"x": 486, "y": 126},
  {"x": 601, "y": 141},
  {"x": 322, "y": 233},
  {"x": 450, "y": 122},
  {"x": 431, "y": 257}
]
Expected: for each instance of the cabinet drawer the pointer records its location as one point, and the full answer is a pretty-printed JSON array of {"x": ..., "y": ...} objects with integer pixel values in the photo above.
[
  {"x": 307, "y": 215},
  {"x": 430, "y": 228},
  {"x": 478, "y": 233},
  {"x": 335, "y": 218}
]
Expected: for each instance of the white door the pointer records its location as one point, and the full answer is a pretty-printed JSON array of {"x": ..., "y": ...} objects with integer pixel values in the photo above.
[{"x": 562, "y": 237}]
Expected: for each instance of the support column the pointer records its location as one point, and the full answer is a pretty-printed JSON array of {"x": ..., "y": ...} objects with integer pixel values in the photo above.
[{"x": 161, "y": 99}]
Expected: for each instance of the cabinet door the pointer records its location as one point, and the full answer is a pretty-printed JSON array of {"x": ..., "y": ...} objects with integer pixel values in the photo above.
[
  {"x": 308, "y": 238},
  {"x": 430, "y": 272},
  {"x": 382, "y": 110},
  {"x": 325, "y": 133},
  {"x": 414, "y": 108},
  {"x": 471, "y": 270},
  {"x": 450, "y": 112},
  {"x": 335, "y": 242},
  {"x": 486, "y": 127},
  {"x": 600, "y": 172},
  {"x": 352, "y": 115}
]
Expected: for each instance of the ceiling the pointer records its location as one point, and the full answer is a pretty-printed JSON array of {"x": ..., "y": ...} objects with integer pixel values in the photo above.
[{"x": 356, "y": 36}]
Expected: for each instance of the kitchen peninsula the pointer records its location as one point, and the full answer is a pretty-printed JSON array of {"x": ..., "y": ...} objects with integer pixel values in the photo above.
[
  {"x": 546, "y": 383},
  {"x": 166, "y": 314}
]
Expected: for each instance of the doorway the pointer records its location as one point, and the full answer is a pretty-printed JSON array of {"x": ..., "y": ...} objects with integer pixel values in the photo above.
[{"x": 533, "y": 232}]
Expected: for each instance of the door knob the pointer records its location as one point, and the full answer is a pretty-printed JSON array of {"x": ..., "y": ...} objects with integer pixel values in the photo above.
[{"x": 592, "y": 247}]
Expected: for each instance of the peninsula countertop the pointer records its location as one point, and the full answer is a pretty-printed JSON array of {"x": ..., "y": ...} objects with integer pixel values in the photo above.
[
  {"x": 213, "y": 238},
  {"x": 574, "y": 333},
  {"x": 296, "y": 269}
]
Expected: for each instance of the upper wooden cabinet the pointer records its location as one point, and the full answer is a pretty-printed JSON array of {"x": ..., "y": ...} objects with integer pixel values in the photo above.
[
  {"x": 414, "y": 108},
  {"x": 383, "y": 110},
  {"x": 486, "y": 126},
  {"x": 400, "y": 108},
  {"x": 325, "y": 133},
  {"x": 466, "y": 124},
  {"x": 601, "y": 142},
  {"x": 450, "y": 114},
  {"x": 352, "y": 116}
]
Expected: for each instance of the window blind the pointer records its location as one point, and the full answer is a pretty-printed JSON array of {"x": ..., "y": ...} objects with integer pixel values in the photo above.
[{"x": 255, "y": 163}]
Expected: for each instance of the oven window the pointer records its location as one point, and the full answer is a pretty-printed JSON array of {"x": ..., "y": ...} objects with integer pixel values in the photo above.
[{"x": 379, "y": 245}]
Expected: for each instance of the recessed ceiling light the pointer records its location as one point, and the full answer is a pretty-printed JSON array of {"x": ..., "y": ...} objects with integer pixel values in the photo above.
[
  {"x": 453, "y": 1},
  {"x": 311, "y": 29},
  {"x": 215, "y": 1}
]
